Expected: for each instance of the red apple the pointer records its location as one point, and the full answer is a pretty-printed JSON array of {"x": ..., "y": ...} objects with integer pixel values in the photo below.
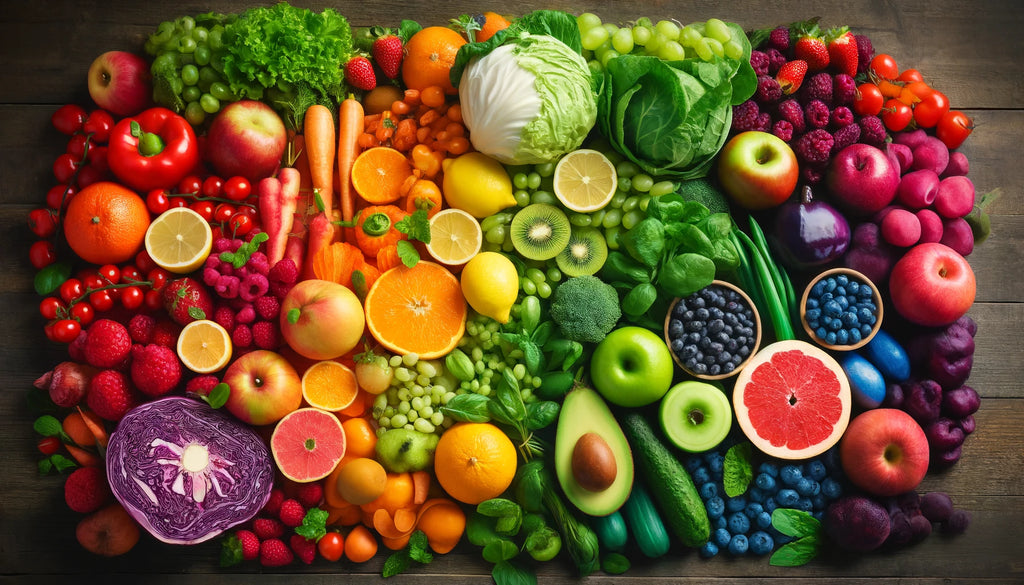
[
  {"x": 884, "y": 452},
  {"x": 247, "y": 139},
  {"x": 862, "y": 179},
  {"x": 321, "y": 320},
  {"x": 758, "y": 170},
  {"x": 264, "y": 387},
  {"x": 932, "y": 285},
  {"x": 119, "y": 82}
]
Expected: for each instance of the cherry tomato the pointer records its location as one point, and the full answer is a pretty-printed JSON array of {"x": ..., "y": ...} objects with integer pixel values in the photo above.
[
  {"x": 930, "y": 109},
  {"x": 237, "y": 188},
  {"x": 71, "y": 289},
  {"x": 84, "y": 312},
  {"x": 909, "y": 75},
  {"x": 884, "y": 66},
  {"x": 132, "y": 297},
  {"x": 203, "y": 208},
  {"x": 211, "y": 186},
  {"x": 93, "y": 281},
  {"x": 223, "y": 212},
  {"x": 158, "y": 277},
  {"x": 77, "y": 145},
  {"x": 953, "y": 128},
  {"x": 99, "y": 124},
  {"x": 98, "y": 157},
  {"x": 331, "y": 546},
  {"x": 48, "y": 445},
  {"x": 41, "y": 254},
  {"x": 247, "y": 210},
  {"x": 110, "y": 273},
  {"x": 178, "y": 202},
  {"x": 101, "y": 300},
  {"x": 66, "y": 330},
  {"x": 868, "y": 100},
  {"x": 64, "y": 168},
  {"x": 158, "y": 201},
  {"x": 55, "y": 196},
  {"x": 42, "y": 222},
  {"x": 144, "y": 262},
  {"x": 49, "y": 307},
  {"x": 68, "y": 118},
  {"x": 896, "y": 115},
  {"x": 190, "y": 184},
  {"x": 153, "y": 300},
  {"x": 90, "y": 174},
  {"x": 130, "y": 273},
  {"x": 240, "y": 224}
]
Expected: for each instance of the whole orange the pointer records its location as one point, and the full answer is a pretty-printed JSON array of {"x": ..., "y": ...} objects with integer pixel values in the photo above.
[
  {"x": 429, "y": 56},
  {"x": 474, "y": 462},
  {"x": 106, "y": 223}
]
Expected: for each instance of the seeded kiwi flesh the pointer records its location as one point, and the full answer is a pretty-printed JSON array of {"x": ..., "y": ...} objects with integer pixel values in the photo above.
[
  {"x": 584, "y": 254},
  {"x": 540, "y": 231}
]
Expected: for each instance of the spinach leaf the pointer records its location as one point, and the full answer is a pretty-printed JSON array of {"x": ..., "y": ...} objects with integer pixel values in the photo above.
[
  {"x": 645, "y": 242},
  {"x": 685, "y": 274},
  {"x": 639, "y": 299},
  {"x": 621, "y": 268}
]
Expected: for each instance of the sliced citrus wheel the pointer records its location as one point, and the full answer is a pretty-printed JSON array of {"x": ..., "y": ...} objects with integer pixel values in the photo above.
[
  {"x": 204, "y": 346},
  {"x": 417, "y": 310},
  {"x": 379, "y": 173},
  {"x": 585, "y": 180},
  {"x": 329, "y": 385},
  {"x": 455, "y": 237},
  {"x": 179, "y": 240},
  {"x": 307, "y": 444}
]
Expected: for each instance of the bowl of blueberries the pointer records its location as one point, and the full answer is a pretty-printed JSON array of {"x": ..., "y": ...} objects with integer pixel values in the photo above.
[
  {"x": 841, "y": 309},
  {"x": 713, "y": 332}
]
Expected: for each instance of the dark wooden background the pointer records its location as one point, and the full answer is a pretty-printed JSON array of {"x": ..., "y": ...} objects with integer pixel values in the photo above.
[{"x": 972, "y": 51}]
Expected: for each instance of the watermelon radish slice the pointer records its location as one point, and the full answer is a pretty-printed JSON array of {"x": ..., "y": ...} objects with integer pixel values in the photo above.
[{"x": 792, "y": 400}]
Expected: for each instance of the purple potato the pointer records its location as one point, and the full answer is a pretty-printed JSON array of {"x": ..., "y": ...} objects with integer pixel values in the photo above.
[
  {"x": 960, "y": 402},
  {"x": 944, "y": 434},
  {"x": 923, "y": 400},
  {"x": 857, "y": 523},
  {"x": 936, "y": 506}
]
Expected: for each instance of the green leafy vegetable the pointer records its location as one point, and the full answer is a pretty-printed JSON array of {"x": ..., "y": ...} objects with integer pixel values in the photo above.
[
  {"x": 314, "y": 524},
  {"x": 737, "y": 469},
  {"x": 807, "y": 532},
  {"x": 400, "y": 560},
  {"x": 51, "y": 277}
]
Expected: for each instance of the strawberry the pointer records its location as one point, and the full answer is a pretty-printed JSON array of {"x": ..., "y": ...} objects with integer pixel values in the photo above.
[
  {"x": 811, "y": 47},
  {"x": 250, "y": 544},
  {"x": 187, "y": 300},
  {"x": 359, "y": 73},
  {"x": 387, "y": 53},
  {"x": 291, "y": 513},
  {"x": 791, "y": 75},
  {"x": 303, "y": 548},
  {"x": 275, "y": 553},
  {"x": 110, "y": 395},
  {"x": 842, "y": 50},
  {"x": 86, "y": 490},
  {"x": 266, "y": 528}
]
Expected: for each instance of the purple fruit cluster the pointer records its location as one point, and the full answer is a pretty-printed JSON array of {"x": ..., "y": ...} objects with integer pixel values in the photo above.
[{"x": 862, "y": 523}]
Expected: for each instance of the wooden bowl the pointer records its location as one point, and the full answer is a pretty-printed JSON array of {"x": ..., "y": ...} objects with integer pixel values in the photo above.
[
  {"x": 853, "y": 275},
  {"x": 757, "y": 340}
]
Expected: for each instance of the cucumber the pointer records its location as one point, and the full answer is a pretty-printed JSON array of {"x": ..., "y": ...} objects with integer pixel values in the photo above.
[
  {"x": 669, "y": 482},
  {"x": 648, "y": 530},
  {"x": 611, "y": 531}
]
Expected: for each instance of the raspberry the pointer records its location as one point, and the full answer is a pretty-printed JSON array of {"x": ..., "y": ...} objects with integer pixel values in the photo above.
[
  {"x": 779, "y": 39},
  {"x": 250, "y": 544},
  {"x": 211, "y": 276},
  {"x": 759, "y": 61},
  {"x": 227, "y": 286},
  {"x": 791, "y": 112},
  {"x": 140, "y": 328},
  {"x": 253, "y": 287},
  {"x": 865, "y": 52},
  {"x": 768, "y": 90},
  {"x": 818, "y": 87},
  {"x": 812, "y": 174},
  {"x": 107, "y": 344},
  {"x": 310, "y": 494},
  {"x": 155, "y": 369},
  {"x": 110, "y": 395},
  {"x": 291, "y": 513},
  {"x": 844, "y": 137},
  {"x": 842, "y": 116},
  {"x": 201, "y": 385},
  {"x": 282, "y": 276},
  {"x": 241, "y": 273},
  {"x": 267, "y": 528},
  {"x": 259, "y": 263},
  {"x": 775, "y": 61},
  {"x": 764, "y": 122},
  {"x": 872, "y": 131},
  {"x": 304, "y": 549},
  {"x": 817, "y": 114},
  {"x": 220, "y": 245},
  {"x": 783, "y": 129},
  {"x": 166, "y": 333},
  {"x": 274, "y": 553},
  {"x": 744, "y": 116},
  {"x": 265, "y": 335},
  {"x": 844, "y": 89},
  {"x": 241, "y": 336},
  {"x": 273, "y": 505},
  {"x": 86, "y": 490},
  {"x": 267, "y": 307},
  {"x": 814, "y": 146},
  {"x": 246, "y": 314},
  {"x": 224, "y": 317}
]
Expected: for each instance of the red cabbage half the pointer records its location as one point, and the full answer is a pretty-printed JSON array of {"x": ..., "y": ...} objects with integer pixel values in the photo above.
[{"x": 187, "y": 472}]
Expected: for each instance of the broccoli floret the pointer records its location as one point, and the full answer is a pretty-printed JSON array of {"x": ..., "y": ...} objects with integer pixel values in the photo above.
[
  {"x": 585, "y": 308},
  {"x": 702, "y": 190}
]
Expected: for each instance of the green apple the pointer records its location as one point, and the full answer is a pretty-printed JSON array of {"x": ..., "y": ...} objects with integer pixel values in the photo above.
[
  {"x": 401, "y": 450},
  {"x": 695, "y": 416},
  {"x": 631, "y": 367}
]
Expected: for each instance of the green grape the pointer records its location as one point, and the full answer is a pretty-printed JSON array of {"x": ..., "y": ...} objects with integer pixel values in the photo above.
[
  {"x": 587, "y": 21},
  {"x": 544, "y": 290},
  {"x": 533, "y": 181},
  {"x": 492, "y": 221},
  {"x": 622, "y": 40},
  {"x": 671, "y": 51},
  {"x": 642, "y": 183},
  {"x": 190, "y": 74},
  {"x": 668, "y": 29},
  {"x": 612, "y": 217},
  {"x": 194, "y": 113},
  {"x": 186, "y": 45},
  {"x": 733, "y": 50},
  {"x": 215, "y": 38},
  {"x": 544, "y": 197},
  {"x": 641, "y": 35},
  {"x": 522, "y": 197},
  {"x": 703, "y": 50},
  {"x": 632, "y": 218},
  {"x": 624, "y": 184},
  {"x": 597, "y": 217},
  {"x": 191, "y": 94},
  {"x": 626, "y": 169},
  {"x": 718, "y": 30},
  {"x": 630, "y": 203},
  {"x": 527, "y": 286},
  {"x": 594, "y": 66},
  {"x": 716, "y": 47},
  {"x": 656, "y": 41},
  {"x": 186, "y": 24},
  {"x": 545, "y": 169},
  {"x": 594, "y": 38},
  {"x": 611, "y": 27},
  {"x": 608, "y": 56},
  {"x": 219, "y": 90},
  {"x": 202, "y": 55},
  {"x": 210, "y": 104},
  {"x": 662, "y": 188},
  {"x": 644, "y": 201},
  {"x": 689, "y": 35},
  {"x": 519, "y": 180},
  {"x": 611, "y": 237},
  {"x": 554, "y": 274},
  {"x": 200, "y": 34},
  {"x": 166, "y": 61},
  {"x": 507, "y": 245},
  {"x": 617, "y": 200},
  {"x": 536, "y": 275}
]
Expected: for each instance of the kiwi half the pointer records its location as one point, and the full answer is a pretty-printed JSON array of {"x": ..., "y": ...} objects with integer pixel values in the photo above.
[
  {"x": 584, "y": 254},
  {"x": 540, "y": 231}
]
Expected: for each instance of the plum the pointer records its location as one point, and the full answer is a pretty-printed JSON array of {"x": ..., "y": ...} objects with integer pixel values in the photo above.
[
  {"x": 945, "y": 355},
  {"x": 936, "y": 506},
  {"x": 957, "y": 522},
  {"x": 954, "y": 197},
  {"x": 960, "y": 402},
  {"x": 900, "y": 156},
  {"x": 893, "y": 396},
  {"x": 944, "y": 434},
  {"x": 923, "y": 400},
  {"x": 857, "y": 523},
  {"x": 957, "y": 234},
  {"x": 957, "y": 165},
  {"x": 910, "y": 138},
  {"x": 932, "y": 154},
  {"x": 901, "y": 228},
  {"x": 869, "y": 254}
]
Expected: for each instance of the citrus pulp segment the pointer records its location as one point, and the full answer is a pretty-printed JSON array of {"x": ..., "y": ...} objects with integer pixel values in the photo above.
[
  {"x": 378, "y": 174},
  {"x": 204, "y": 346},
  {"x": 585, "y": 180},
  {"x": 455, "y": 237},
  {"x": 179, "y": 240},
  {"x": 307, "y": 444},
  {"x": 329, "y": 385}
]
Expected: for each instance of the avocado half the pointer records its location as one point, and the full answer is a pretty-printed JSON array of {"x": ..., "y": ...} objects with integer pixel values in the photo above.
[{"x": 584, "y": 411}]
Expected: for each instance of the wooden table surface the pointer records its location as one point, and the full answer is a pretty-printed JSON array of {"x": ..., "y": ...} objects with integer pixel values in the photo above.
[{"x": 971, "y": 51}]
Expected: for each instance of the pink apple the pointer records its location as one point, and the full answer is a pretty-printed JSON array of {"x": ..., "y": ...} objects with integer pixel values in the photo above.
[
  {"x": 247, "y": 139},
  {"x": 758, "y": 170},
  {"x": 862, "y": 179},
  {"x": 321, "y": 320},
  {"x": 884, "y": 452},
  {"x": 932, "y": 285},
  {"x": 264, "y": 387},
  {"x": 119, "y": 82}
]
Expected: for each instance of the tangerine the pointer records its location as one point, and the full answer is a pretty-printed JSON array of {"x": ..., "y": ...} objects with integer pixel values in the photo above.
[
  {"x": 106, "y": 223},
  {"x": 474, "y": 462},
  {"x": 379, "y": 173},
  {"x": 429, "y": 56}
]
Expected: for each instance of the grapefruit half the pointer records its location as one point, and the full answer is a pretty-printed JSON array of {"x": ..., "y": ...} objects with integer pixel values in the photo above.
[
  {"x": 307, "y": 444},
  {"x": 792, "y": 400}
]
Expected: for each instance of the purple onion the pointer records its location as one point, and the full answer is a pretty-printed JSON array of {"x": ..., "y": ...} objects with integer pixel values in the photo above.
[{"x": 810, "y": 232}]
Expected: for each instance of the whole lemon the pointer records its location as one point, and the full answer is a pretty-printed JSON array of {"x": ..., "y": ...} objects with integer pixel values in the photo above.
[
  {"x": 477, "y": 184},
  {"x": 490, "y": 284}
]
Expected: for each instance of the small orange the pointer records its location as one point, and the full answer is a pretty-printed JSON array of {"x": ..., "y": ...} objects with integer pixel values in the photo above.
[
  {"x": 474, "y": 462},
  {"x": 378, "y": 174},
  {"x": 106, "y": 223},
  {"x": 360, "y": 545},
  {"x": 493, "y": 22},
  {"x": 429, "y": 56},
  {"x": 329, "y": 385},
  {"x": 361, "y": 438},
  {"x": 361, "y": 481},
  {"x": 398, "y": 493}
]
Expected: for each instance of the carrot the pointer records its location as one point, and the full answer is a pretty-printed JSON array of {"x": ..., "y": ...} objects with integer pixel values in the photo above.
[
  {"x": 350, "y": 124},
  {"x": 268, "y": 198},
  {"x": 387, "y": 258},
  {"x": 375, "y": 228},
  {"x": 321, "y": 147},
  {"x": 83, "y": 457},
  {"x": 420, "y": 487},
  {"x": 95, "y": 426},
  {"x": 295, "y": 247},
  {"x": 321, "y": 233}
]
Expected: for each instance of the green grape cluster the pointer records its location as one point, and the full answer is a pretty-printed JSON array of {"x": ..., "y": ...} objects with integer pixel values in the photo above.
[
  {"x": 490, "y": 356},
  {"x": 414, "y": 399},
  {"x": 187, "y": 71},
  {"x": 665, "y": 39}
]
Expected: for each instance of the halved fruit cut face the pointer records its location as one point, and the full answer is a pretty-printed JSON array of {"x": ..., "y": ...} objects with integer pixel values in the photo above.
[{"x": 585, "y": 180}]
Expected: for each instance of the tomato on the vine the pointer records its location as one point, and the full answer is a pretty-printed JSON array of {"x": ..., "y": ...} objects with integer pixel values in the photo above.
[
  {"x": 884, "y": 66},
  {"x": 55, "y": 196},
  {"x": 910, "y": 75},
  {"x": 930, "y": 109},
  {"x": 158, "y": 201},
  {"x": 190, "y": 184},
  {"x": 101, "y": 300},
  {"x": 247, "y": 210},
  {"x": 110, "y": 273},
  {"x": 223, "y": 212},
  {"x": 153, "y": 300},
  {"x": 77, "y": 146},
  {"x": 203, "y": 208},
  {"x": 89, "y": 174},
  {"x": 84, "y": 312},
  {"x": 130, "y": 273},
  {"x": 64, "y": 167},
  {"x": 212, "y": 186},
  {"x": 331, "y": 546},
  {"x": 71, "y": 289},
  {"x": 92, "y": 281},
  {"x": 68, "y": 118},
  {"x": 99, "y": 124},
  {"x": 868, "y": 100},
  {"x": 158, "y": 277},
  {"x": 41, "y": 254},
  {"x": 98, "y": 157},
  {"x": 896, "y": 115},
  {"x": 178, "y": 202},
  {"x": 42, "y": 222},
  {"x": 66, "y": 330},
  {"x": 48, "y": 445},
  {"x": 240, "y": 224},
  {"x": 237, "y": 188},
  {"x": 953, "y": 128},
  {"x": 49, "y": 307},
  {"x": 144, "y": 262},
  {"x": 132, "y": 297}
]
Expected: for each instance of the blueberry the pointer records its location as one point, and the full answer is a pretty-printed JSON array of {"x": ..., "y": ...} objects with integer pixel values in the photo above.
[
  {"x": 807, "y": 487},
  {"x": 865, "y": 330},
  {"x": 716, "y": 507},
  {"x": 676, "y": 345},
  {"x": 714, "y": 370},
  {"x": 853, "y": 288},
  {"x": 753, "y": 509},
  {"x": 831, "y": 488},
  {"x": 692, "y": 462},
  {"x": 768, "y": 468},
  {"x": 720, "y": 522},
  {"x": 739, "y": 523},
  {"x": 716, "y": 314},
  {"x": 825, "y": 298},
  {"x": 721, "y": 537},
  {"x": 702, "y": 314},
  {"x": 854, "y": 335},
  {"x": 701, "y": 475},
  {"x": 804, "y": 504},
  {"x": 843, "y": 337},
  {"x": 821, "y": 332},
  {"x": 708, "y": 490},
  {"x": 811, "y": 314},
  {"x": 815, "y": 470},
  {"x": 699, "y": 369},
  {"x": 738, "y": 544},
  {"x": 770, "y": 504},
  {"x": 830, "y": 338},
  {"x": 787, "y": 498},
  {"x": 842, "y": 280},
  {"x": 709, "y": 550},
  {"x": 689, "y": 351},
  {"x": 790, "y": 474},
  {"x": 849, "y": 319},
  {"x": 842, "y": 302},
  {"x": 715, "y": 461},
  {"x": 865, "y": 292},
  {"x": 755, "y": 494},
  {"x": 818, "y": 288},
  {"x": 761, "y": 543},
  {"x": 819, "y": 502},
  {"x": 735, "y": 504},
  {"x": 697, "y": 303},
  {"x": 675, "y": 328},
  {"x": 763, "y": 520}
]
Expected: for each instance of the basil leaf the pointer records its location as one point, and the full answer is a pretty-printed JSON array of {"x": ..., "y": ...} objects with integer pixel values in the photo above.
[
  {"x": 796, "y": 553},
  {"x": 737, "y": 469},
  {"x": 51, "y": 277},
  {"x": 468, "y": 408},
  {"x": 541, "y": 414},
  {"x": 508, "y": 396}
]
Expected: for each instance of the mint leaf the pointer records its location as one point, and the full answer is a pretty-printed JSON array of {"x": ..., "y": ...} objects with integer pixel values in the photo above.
[
  {"x": 45, "y": 466},
  {"x": 795, "y": 523},
  {"x": 500, "y": 550},
  {"x": 796, "y": 553},
  {"x": 47, "y": 426},
  {"x": 230, "y": 551},
  {"x": 407, "y": 253},
  {"x": 498, "y": 507},
  {"x": 418, "y": 548},
  {"x": 62, "y": 463},
  {"x": 396, "y": 564},
  {"x": 196, "y": 313},
  {"x": 415, "y": 225},
  {"x": 314, "y": 524},
  {"x": 506, "y": 573},
  {"x": 218, "y": 396},
  {"x": 737, "y": 469}
]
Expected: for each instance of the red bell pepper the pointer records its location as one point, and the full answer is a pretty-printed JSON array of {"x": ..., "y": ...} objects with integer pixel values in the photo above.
[{"x": 153, "y": 150}]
